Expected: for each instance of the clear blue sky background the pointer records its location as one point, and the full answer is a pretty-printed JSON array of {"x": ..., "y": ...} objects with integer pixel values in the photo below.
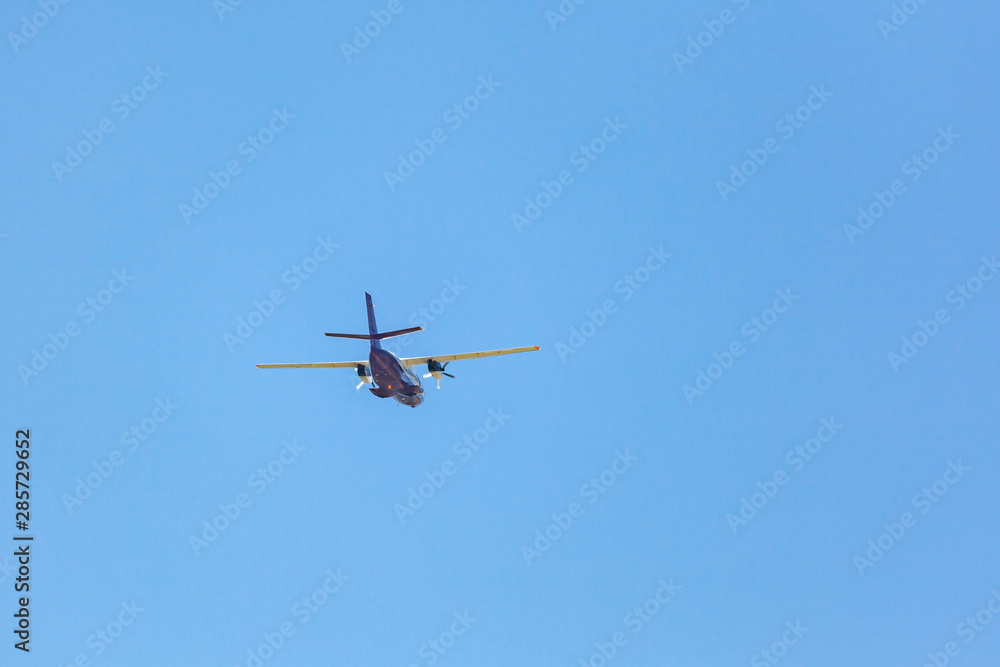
[{"x": 323, "y": 176}]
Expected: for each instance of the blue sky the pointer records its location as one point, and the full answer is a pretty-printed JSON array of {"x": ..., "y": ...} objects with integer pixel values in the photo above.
[{"x": 717, "y": 331}]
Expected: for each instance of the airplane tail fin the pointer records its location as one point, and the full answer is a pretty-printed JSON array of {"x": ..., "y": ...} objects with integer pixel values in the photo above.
[
  {"x": 373, "y": 335},
  {"x": 372, "y": 327}
]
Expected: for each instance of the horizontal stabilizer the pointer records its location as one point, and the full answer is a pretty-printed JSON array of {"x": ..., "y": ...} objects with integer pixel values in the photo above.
[
  {"x": 378, "y": 336},
  {"x": 356, "y": 336},
  {"x": 324, "y": 364}
]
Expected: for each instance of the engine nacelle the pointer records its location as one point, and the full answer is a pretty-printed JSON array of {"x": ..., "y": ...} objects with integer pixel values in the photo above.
[
  {"x": 435, "y": 369},
  {"x": 364, "y": 375}
]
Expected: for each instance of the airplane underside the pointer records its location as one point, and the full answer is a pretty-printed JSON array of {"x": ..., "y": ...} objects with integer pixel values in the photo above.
[{"x": 412, "y": 396}]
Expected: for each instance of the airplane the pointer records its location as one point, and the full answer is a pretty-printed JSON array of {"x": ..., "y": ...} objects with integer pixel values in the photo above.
[{"x": 391, "y": 376}]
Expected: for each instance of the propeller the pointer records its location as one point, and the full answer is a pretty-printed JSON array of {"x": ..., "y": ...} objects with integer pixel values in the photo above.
[{"x": 436, "y": 370}]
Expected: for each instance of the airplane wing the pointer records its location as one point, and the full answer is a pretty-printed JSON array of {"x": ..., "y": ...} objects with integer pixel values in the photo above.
[
  {"x": 325, "y": 364},
  {"x": 416, "y": 361}
]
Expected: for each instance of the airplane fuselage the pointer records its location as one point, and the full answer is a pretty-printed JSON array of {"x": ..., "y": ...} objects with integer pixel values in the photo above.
[{"x": 393, "y": 379}]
